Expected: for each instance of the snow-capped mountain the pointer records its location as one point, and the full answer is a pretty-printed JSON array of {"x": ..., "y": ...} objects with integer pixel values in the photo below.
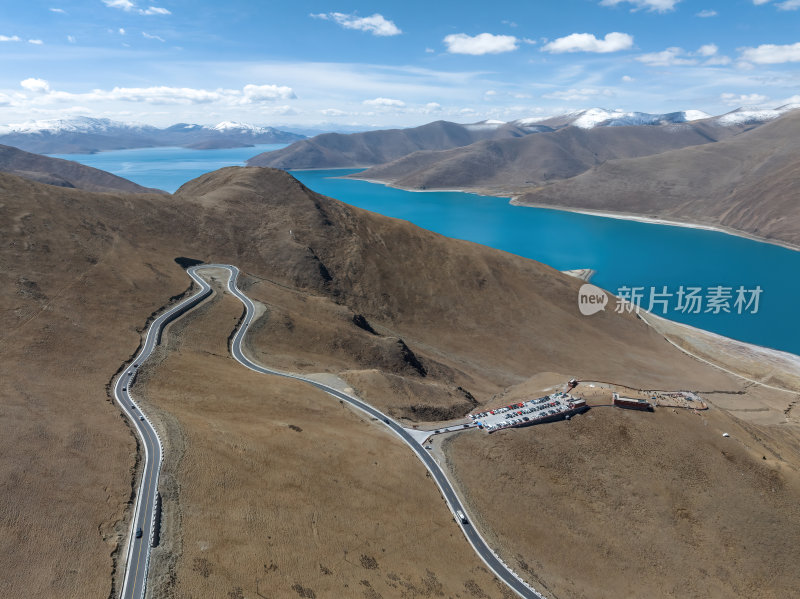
[
  {"x": 81, "y": 124},
  {"x": 601, "y": 117},
  {"x": 745, "y": 115},
  {"x": 487, "y": 124},
  {"x": 88, "y": 134}
]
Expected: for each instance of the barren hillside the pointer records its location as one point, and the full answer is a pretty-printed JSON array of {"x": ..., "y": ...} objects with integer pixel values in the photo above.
[
  {"x": 749, "y": 183},
  {"x": 427, "y": 326}
]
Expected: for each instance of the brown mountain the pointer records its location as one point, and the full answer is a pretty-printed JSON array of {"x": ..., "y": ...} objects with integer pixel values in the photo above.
[
  {"x": 507, "y": 165},
  {"x": 423, "y": 326},
  {"x": 749, "y": 183},
  {"x": 337, "y": 150},
  {"x": 63, "y": 173}
]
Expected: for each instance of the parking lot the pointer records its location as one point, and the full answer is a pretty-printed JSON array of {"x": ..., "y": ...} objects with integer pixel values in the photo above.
[{"x": 534, "y": 411}]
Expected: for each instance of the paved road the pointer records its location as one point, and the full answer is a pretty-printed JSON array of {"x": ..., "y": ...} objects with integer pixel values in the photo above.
[
  {"x": 138, "y": 555},
  {"x": 139, "y": 548},
  {"x": 472, "y": 535}
]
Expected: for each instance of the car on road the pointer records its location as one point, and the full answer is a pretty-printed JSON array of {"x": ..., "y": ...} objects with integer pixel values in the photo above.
[
  {"x": 141, "y": 417},
  {"x": 139, "y": 533}
]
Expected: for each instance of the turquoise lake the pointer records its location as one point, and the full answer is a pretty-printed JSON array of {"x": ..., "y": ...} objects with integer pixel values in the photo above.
[{"x": 624, "y": 253}]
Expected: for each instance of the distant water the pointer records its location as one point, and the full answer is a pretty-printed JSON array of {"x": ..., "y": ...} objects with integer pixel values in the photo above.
[
  {"x": 167, "y": 168},
  {"x": 624, "y": 253}
]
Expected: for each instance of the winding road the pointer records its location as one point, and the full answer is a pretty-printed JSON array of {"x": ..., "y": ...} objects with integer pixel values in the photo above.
[{"x": 139, "y": 548}]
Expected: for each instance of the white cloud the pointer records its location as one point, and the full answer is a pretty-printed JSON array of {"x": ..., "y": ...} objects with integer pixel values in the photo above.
[
  {"x": 60, "y": 11},
  {"x": 711, "y": 53},
  {"x": 785, "y": 5},
  {"x": 627, "y": 78},
  {"x": 586, "y": 42},
  {"x": 121, "y": 31},
  {"x": 432, "y": 107},
  {"x": 653, "y": 5},
  {"x": 333, "y": 112},
  {"x": 284, "y": 110},
  {"x": 705, "y": 14},
  {"x": 743, "y": 99},
  {"x": 154, "y": 10},
  {"x": 36, "y": 42},
  {"x": 708, "y": 50},
  {"x": 376, "y": 24},
  {"x": 266, "y": 93},
  {"x": 37, "y": 86},
  {"x": 129, "y": 6},
  {"x": 429, "y": 50},
  {"x": 579, "y": 95},
  {"x": 666, "y": 58},
  {"x": 718, "y": 61},
  {"x": 147, "y": 35},
  {"x": 249, "y": 94},
  {"x": 13, "y": 38},
  {"x": 771, "y": 54},
  {"x": 483, "y": 43},
  {"x": 385, "y": 102},
  {"x": 490, "y": 92},
  {"x": 121, "y": 4},
  {"x": 71, "y": 39}
]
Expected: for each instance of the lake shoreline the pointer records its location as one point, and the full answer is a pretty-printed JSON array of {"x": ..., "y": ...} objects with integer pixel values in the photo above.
[{"x": 630, "y": 216}]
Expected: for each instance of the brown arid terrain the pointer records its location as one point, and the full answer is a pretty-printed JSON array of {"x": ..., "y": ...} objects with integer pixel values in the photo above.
[
  {"x": 273, "y": 487},
  {"x": 337, "y": 150},
  {"x": 513, "y": 164},
  {"x": 748, "y": 183},
  {"x": 421, "y": 326},
  {"x": 618, "y": 503},
  {"x": 63, "y": 173}
]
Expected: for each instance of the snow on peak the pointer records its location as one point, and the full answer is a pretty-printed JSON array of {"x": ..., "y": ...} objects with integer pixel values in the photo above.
[
  {"x": 591, "y": 118},
  {"x": 696, "y": 115},
  {"x": 745, "y": 115},
  {"x": 601, "y": 117},
  {"x": 231, "y": 126},
  {"x": 487, "y": 124},
  {"x": 81, "y": 124}
]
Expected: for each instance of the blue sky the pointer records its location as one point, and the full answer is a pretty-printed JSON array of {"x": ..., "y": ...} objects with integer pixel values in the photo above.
[{"x": 353, "y": 63}]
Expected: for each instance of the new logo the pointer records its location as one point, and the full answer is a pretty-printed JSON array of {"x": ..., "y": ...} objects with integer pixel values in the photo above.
[{"x": 591, "y": 299}]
